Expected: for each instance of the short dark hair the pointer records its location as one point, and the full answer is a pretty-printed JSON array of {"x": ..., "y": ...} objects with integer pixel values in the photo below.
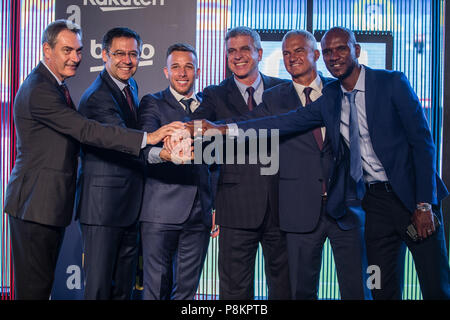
[
  {"x": 52, "y": 31},
  {"x": 119, "y": 32},
  {"x": 244, "y": 31},
  {"x": 182, "y": 47},
  {"x": 347, "y": 31}
]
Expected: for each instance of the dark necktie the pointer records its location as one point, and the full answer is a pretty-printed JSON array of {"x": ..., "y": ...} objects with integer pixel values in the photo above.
[
  {"x": 251, "y": 100},
  {"x": 317, "y": 132},
  {"x": 187, "y": 104},
  {"x": 67, "y": 95},
  {"x": 129, "y": 98},
  {"x": 356, "y": 171}
]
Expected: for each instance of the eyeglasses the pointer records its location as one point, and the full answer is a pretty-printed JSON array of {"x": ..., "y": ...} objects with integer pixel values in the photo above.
[{"x": 122, "y": 54}]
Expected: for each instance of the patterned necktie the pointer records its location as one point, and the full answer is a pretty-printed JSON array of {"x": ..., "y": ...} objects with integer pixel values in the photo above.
[
  {"x": 317, "y": 132},
  {"x": 251, "y": 100},
  {"x": 67, "y": 95},
  {"x": 356, "y": 171},
  {"x": 129, "y": 98},
  {"x": 187, "y": 104}
]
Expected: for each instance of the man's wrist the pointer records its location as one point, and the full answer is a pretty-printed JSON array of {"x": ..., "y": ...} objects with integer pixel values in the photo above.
[
  {"x": 423, "y": 206},
  {"x": 230, "y": 129}
]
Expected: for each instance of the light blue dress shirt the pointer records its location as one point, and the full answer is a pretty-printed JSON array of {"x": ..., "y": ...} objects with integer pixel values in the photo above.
[{"x": 372, "y": 168}]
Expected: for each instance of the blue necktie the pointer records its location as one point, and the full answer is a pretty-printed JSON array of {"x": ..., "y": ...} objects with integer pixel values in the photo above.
[
  {"x": 187, "y": 104},
  {"x": 356, "y": 171}
]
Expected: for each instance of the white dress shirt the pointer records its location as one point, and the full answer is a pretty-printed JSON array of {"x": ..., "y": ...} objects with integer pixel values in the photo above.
[
  {"x": 372, "y": 168},
  {"x": 257, "y": 85}
]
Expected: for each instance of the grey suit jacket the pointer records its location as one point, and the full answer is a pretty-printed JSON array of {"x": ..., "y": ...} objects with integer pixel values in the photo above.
[{"x": 42, "y": 184}]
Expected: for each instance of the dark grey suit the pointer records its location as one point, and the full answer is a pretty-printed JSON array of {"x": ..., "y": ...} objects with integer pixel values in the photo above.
[
  {"x": 246, "y": 207},
  {"x": 109, "y": 196},
  {"x": 304, "y": 168},
  {"x": 41, "y": 190}
]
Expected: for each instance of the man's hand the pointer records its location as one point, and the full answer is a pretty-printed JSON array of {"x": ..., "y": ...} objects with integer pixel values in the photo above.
[
  {"x": 178, "y": 147},
  {"x": 424, "y": 223},
  {"x": 166, "y": 130},
  {"x": 205, "y": 127},
  {"x": 215, "y": 229}
]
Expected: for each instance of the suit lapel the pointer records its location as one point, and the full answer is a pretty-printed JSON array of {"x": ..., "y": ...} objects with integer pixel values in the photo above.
[
  {"x": 326, "y": 81},
  {"x": 334, "y": 113},
  {"x": 292, "y": 99},
  {"x": 42, "y": 69},
  {"x": 122, "y": 102},
  {"x": 370, "y": 97},
  {"x": 134, "y": 91},
  {"x": 199, "y": 97},
  {"x": 235, "y": 99},
  {"x": 173, "y": 102}
]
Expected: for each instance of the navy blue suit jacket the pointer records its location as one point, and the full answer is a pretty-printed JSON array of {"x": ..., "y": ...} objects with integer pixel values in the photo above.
[
  {"x": 243, "y": 194},
  {"x": 110, "y": 183},
  {"x": 399, "y": 133},
  {"x": 170, "y": 189}
]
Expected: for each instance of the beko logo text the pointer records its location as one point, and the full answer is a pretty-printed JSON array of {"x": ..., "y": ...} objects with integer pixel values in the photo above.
[{"x": 116, "y": 5}]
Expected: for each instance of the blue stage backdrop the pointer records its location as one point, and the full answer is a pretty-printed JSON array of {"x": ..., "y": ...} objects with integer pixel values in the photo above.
[{"x": 160, "y": 23}]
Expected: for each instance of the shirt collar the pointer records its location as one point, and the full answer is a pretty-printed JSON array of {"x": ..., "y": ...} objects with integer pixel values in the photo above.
[
  {"x": 57, "y": 79},
  {"x": 243, "y": 87},
  {"x": 361, "y": 83},
  {"x": 119, "y": 83},
  {"x": 316, "y": 85},
  {"x": 180, "y": 97}
]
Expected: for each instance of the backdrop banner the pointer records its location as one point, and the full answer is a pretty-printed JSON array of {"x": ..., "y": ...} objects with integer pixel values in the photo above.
[{"x": 160, "y": 23}]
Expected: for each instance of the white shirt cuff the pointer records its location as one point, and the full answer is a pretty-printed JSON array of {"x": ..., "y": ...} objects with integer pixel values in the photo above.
[
  {"x": 153, "y": 155},
  {"x": 144, "y": 141},
  {"x": 233, "y": 130}
]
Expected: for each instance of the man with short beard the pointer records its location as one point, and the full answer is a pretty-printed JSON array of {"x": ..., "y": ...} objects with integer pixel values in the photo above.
[
  {"x": 305, "y": 163},
  {"x": 176, "y": 214},
  {"x": 383, "y": 160}
]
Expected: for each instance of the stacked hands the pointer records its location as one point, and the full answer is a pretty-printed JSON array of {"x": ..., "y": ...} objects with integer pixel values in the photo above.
[
  {"x": 177, "y": 138},
  {"x": 178, "y": 148}
]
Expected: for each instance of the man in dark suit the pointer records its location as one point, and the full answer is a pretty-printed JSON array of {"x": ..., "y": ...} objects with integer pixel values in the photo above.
[
  {"x": 384, "y": 160},
  {"x": 40, "y": 194},
  {"x": 247, "y": 202},
  {"x": 176, "y": 213},
  {"x": 305, "y": 163},
  {"x": 110, "y": 183}
]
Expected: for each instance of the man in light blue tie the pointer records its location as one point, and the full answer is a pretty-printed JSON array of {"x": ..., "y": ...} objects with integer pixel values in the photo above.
[{"x": 399, "y": 187}]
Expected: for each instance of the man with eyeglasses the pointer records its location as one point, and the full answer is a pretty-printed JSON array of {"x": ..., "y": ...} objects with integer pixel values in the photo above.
[
  {"x": 110, "y": 184},
  {"x": 40, "y": 194},
  {"x": 175, "y": 219}
]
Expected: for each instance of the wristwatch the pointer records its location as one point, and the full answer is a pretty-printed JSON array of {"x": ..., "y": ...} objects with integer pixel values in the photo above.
[{"x": 423, "y": 206}]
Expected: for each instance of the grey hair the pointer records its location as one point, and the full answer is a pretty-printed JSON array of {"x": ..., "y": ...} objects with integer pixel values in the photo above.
[
  {"x": 52, "y": 31},
  {"x": 305, "y": 34},
  {"x": 244, "y": 31}
]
